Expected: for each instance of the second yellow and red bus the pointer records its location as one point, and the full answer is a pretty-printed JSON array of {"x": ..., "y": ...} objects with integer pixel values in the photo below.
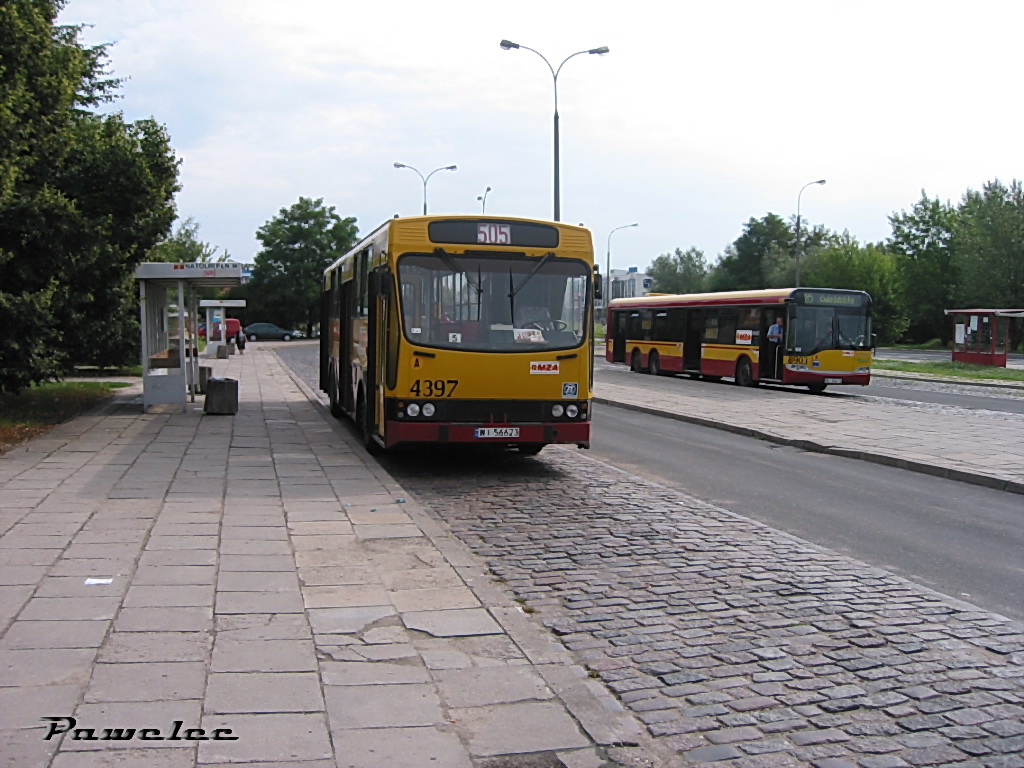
[{"x": 827, "y": 335}]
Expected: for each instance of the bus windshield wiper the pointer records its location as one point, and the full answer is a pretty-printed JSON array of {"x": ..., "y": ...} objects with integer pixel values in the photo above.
[
  {"x": 528, "y": 278},
  {"x": 448, "y": 262}
]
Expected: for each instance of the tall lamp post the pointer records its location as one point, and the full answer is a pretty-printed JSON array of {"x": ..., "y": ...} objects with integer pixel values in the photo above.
[
  {"x": 509, "y": 45},
  {"x": 425, "y": 179},
  {"x": 483, "y": 200},
  {"x": 805, "y": 186},
  {"x": 608, "y": 262}
]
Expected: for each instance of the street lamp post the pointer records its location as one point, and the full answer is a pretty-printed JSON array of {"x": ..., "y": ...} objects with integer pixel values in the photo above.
[
  {"x": 425, "y": 179},
  {"x": 483, "y": 200},
  {"x": 509, "y": 45},
  {"x": 608, "y": 262},
  {"x": 805, "y": 186}
]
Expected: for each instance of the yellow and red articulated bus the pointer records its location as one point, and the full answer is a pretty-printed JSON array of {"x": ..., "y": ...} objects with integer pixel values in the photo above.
[
  {"x": 462, "y": 329},
  {"x": 826, "y": 339}
]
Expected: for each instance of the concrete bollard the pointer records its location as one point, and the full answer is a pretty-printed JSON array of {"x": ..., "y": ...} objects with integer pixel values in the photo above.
[
  {"x": 221, "y": 397},
  {"x": 204, "y": 377}
]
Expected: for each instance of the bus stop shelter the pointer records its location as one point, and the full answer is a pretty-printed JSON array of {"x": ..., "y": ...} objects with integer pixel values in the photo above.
[
  {"x": 980, "y": 335},
  {"x": 169, "y": 315},
  {"x": 216, "y": 328}
]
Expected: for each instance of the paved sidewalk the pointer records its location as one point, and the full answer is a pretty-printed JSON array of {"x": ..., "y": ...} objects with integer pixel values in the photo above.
[
  {"x": 978, "y": 447},
  {"x": 260, "y": 578}
]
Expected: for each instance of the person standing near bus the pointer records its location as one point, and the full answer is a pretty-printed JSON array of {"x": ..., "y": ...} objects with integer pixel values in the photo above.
[
  {"x": 240, "y": 341},
  {"x": 775, "y": 335}
]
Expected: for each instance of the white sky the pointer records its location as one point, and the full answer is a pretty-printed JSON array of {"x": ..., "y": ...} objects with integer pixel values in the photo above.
[{"x": 703, "y": 115}]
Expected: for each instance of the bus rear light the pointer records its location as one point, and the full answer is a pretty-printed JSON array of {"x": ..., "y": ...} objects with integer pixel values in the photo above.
[
  {"x": 428, "y": 409},
  {"x": 557, "y": 410},
  {"x": 572, "y": 411},
  {"x": 413, "y": 410}
]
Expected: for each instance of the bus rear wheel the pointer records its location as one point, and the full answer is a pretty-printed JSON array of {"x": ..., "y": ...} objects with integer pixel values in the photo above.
[
  {"x": 745, "y": 373},
  {"x": 530, "y": 449},
  {"x": 654, "y": 364}
]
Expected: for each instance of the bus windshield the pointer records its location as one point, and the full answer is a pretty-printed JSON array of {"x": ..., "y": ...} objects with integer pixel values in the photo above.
[
  {"x": 493, "y": 303},
  {"x": 815, "y": 328}
]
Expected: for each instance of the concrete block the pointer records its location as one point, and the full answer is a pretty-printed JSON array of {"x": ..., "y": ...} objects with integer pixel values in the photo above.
[{"x": 221, "y": 396}]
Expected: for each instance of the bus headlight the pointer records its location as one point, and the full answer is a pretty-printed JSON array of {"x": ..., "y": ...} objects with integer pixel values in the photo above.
[
  {"x": 572, "y": 411},
  {"x": 557, "y": 410},
  {"x": 413, "y": 409},
  {"x": 863, "y": 369},
  {"x": 428, "y": 409}
]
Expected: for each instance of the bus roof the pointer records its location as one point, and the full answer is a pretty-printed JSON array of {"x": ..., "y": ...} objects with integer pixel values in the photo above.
[{"x": 723, "y": 298}]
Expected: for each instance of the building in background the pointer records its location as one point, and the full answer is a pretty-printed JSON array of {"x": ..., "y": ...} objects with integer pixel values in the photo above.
[{"x": 623, "y": 283}]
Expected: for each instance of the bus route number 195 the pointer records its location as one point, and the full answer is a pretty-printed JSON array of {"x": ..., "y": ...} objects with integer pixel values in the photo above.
[{"x": 434, "y": 387}]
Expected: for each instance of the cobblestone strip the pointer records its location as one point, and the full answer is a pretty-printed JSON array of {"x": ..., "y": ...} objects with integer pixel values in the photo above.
[{"x": 735, "y": 643}]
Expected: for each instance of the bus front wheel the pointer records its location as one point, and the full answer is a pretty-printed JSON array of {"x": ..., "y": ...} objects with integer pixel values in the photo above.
[
  {"x": 745, "y": 373},
  {"x": 362, "y": 422},
  {"x": 816, "y": 389},
  {"x": 635, "y": 362},
  {"x": 332, "y": 385}
]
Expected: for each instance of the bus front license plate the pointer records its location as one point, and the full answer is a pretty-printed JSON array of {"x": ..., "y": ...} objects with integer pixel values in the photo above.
[
  {"x": 833, "y": 381},
  {"x": 500, "y": 432}
]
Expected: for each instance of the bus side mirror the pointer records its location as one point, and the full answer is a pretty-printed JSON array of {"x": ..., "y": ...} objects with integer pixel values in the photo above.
[
  {"x": 598, "y": 284},
  {"x": 380, "y": 282}
]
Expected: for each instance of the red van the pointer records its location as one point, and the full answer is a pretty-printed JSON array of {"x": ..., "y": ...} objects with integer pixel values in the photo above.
[{"x": 234, "y": 327}]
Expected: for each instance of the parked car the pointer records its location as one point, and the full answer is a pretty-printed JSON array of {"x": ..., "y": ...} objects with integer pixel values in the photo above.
[{"x": 258, "y": 331}]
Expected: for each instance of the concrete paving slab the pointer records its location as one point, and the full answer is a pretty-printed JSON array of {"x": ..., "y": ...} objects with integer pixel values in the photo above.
[
  {"x": 400, "y": 748},
  {"x": 452, "y": 623},
  {"x": 382, "y": 706},
  {"x": 263, "y": 692},
  {"x": 508, "y": 729},
  {"x": 152, "y": 681},
  {"x": 479, "y": 687},
  {"x": 231, "y": 654},
  {"x": 375, "y": 672},
  {"x": 267, "y": 738}
]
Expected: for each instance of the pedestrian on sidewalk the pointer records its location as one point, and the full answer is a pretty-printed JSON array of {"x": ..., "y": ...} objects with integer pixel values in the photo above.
[{"x": 240, "y": 341}]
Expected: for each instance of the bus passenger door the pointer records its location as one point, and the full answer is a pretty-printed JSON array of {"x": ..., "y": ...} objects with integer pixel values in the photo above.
[
  {"x": 618, "y": 336},
  {"x": 694, "y": 336}
]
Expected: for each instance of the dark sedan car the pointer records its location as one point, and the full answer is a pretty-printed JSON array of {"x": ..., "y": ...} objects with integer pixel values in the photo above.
[{"x": 258, "y": 331}]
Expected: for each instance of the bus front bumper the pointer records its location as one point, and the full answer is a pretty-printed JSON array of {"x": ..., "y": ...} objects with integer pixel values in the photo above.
[{"x": 410, "y": 432}]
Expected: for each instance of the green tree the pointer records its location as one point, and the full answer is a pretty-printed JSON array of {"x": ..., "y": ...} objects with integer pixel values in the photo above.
[
  {"x": 929, "y": 266},
  {"x": 298, "y": 244},
  {"x": 184, "y": 245},
  {"x": 82, "y": 198},
  {"x": 679, "y": 272},
  {"x": 845, "y": 263},
  {"x": 989, "y": 237},
  {"x": 763, "y": 256}
]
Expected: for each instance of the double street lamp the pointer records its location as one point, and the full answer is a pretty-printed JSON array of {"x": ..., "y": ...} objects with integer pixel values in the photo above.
[
  {"x": 509, "y": 45},
  {"x": 798, "y": 246},
  {"x": 608, "y": 263},
  {"x": 483, "y": 200},
  {"x": 425, "y": 179}
]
